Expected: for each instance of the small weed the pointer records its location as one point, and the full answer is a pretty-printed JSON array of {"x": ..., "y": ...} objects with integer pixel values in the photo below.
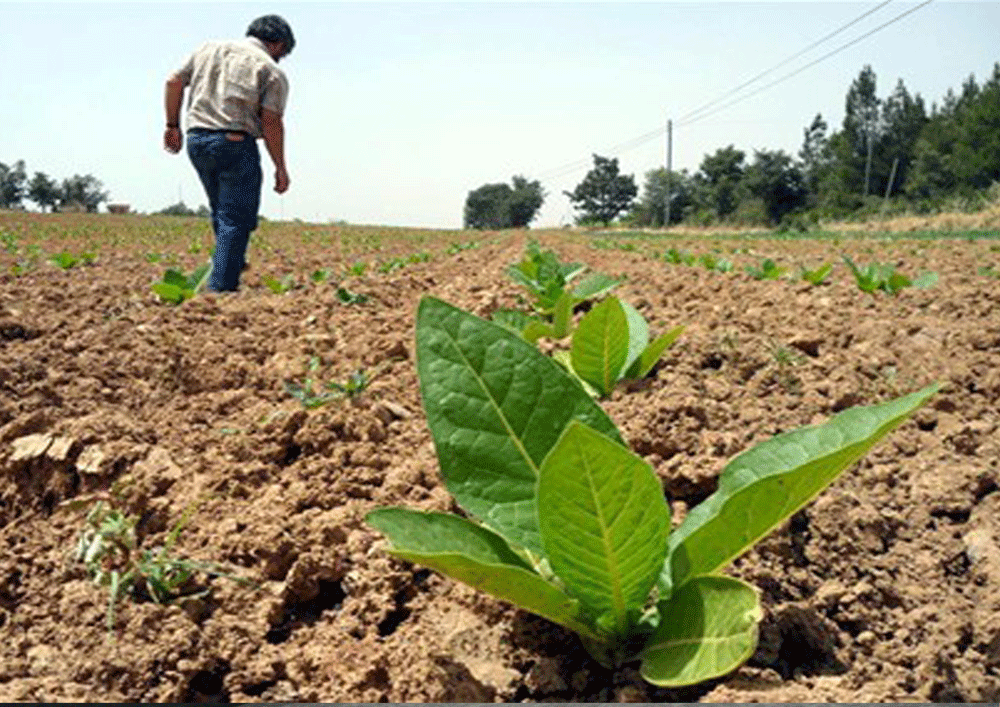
[
  {"x": 305, "y": 391},
  {"x": 353, "y": 386},
  {"x": 784, "y": 359},
  {"x": 109, "y": 548},
  {"x": 357, "y": 269},
  {"x": 312, "y": 397}
]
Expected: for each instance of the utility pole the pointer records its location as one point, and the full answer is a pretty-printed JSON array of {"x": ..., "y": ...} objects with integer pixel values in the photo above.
[{"x": 670, "y": 179}]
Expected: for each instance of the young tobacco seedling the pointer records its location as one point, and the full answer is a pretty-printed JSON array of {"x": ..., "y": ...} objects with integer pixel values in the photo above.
[
  {"x": 548, "y": 281},
  {"x": 176, "y": 287},
  {"x": 768, "y": 270},
  {"x": 679, "y": 257},
  {"x": 357, "y": 269},
  {"x": 279, "y": 287},
  {"x": 319, "y": 276},
  {"x": 612, "y": 344},
  {"x": 818, "y": 276},
  {"x": 67, "y": 260},
  {"x": 566, "y": 522},
  {"x": 883, "y": 276},
  {"x": 710, "y": 262},
  {"x": 345, "y": 296}
]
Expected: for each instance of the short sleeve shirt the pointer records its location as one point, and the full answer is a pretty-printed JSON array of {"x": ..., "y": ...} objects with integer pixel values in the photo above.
[{"x": 230, "y": 82}]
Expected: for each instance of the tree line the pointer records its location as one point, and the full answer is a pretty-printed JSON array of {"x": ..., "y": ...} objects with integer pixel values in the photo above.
[
  {"x": 886, "y": 148},
  {"x": 82, "y": 191}
]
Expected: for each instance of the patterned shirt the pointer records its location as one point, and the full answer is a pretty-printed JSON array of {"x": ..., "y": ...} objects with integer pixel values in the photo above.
[{"x": 230, "y": 82}]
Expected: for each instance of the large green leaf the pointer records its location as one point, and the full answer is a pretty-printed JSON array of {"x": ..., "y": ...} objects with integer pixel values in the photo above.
[
  {"x": 478, "y": 557},
  {"x": 604, "y": 521},
  {"x": 600, "y": 345},
  {"x": 495, "y": 406},
  {"x": 707, "y": 629},
  {"x": 768, "y": 483}
]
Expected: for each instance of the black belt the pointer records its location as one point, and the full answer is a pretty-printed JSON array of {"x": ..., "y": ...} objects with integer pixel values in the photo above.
[{"x": 218, "y": 130}]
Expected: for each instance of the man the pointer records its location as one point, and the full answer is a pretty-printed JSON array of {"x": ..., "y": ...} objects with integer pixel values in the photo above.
[{"x": 238, "y": 95}]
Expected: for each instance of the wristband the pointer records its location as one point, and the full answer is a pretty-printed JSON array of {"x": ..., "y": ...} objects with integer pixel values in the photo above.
[{"x": 173, "y": 125}]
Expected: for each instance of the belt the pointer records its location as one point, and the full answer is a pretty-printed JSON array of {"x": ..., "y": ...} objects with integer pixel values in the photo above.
[{"x": 218, "y": 130}]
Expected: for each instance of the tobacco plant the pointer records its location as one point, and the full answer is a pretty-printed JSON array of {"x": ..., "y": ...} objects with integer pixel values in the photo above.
[
  {"x": 818, "y": 276},
  {"x": 884, "y": 276},
  {"x": 566, "y": 522},
  {"x": 548, "y": 281},
  {"x": 611, "y": 344},
  {"x": 279, "y": 287},
  {"x": 66, "y": 260},
  {"x": 176, "y": 287},
  {"x": 768, "y": 270}
]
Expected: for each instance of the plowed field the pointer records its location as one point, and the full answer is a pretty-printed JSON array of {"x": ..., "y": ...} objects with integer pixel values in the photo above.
[{"x": 886, "y": 588}]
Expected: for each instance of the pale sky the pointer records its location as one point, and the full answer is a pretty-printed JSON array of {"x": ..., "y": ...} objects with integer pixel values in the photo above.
[{"x": 398, "y": 110}]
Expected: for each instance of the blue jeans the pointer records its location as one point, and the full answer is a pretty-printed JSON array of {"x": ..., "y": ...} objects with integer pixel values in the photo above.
[{"x": 231, "y": 174}]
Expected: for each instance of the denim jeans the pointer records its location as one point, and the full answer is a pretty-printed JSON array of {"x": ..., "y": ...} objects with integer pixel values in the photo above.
[{"x": 231, "y": 174}]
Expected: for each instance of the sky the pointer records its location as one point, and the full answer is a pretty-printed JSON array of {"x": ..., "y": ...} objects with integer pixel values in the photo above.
[{"x": 397, "y": 110}]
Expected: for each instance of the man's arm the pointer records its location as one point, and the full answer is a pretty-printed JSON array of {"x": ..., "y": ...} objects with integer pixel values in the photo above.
[
  {"x": 173, "y": 98},
  {"x": 274, "y": 139}
]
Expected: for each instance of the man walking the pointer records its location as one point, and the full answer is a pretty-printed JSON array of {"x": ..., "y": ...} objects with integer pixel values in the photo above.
[{"x": 238, "y": 95}]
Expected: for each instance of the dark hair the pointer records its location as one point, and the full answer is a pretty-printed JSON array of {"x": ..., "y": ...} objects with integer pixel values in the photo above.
[{"x": 272, "y": 28}]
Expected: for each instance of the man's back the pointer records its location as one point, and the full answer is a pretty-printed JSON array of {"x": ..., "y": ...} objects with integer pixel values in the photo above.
[{"x": 230, "y": 81}]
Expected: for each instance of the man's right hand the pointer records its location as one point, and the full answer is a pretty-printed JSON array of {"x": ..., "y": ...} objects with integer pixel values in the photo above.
[
  {"x": 173, "y": 140},
  {"x": 281, "y": 180}
]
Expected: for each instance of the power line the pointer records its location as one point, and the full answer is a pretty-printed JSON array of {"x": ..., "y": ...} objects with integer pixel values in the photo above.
[
  {"x": 794, "y": 56},
  {"x": 573, "y": 166},
  {"x": 701, "y": 112},
  {"x": 810, "y": 64}
]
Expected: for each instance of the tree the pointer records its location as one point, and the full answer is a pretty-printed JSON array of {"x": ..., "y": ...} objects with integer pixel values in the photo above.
[
  {"x": 43, "y": 191},
  {"x": 718, "y": 179},
  {"x": 182, "y": 209},
  {"x": 854, "y": 145},
  {"x": 603, "y": 193},
  {"x": 86, "y": 191},
  {"x": 776, "y": 181},
  {"x": 815, "y": 157},
  {"x": 497, "y": 206},
  {"x": 977, "y": 152},
  {"x": 12, "y": 180},
  {"x": 650, "y": 209},
  {"x": 903, "y": 119},
  {"x": 525, "y": 201}
]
